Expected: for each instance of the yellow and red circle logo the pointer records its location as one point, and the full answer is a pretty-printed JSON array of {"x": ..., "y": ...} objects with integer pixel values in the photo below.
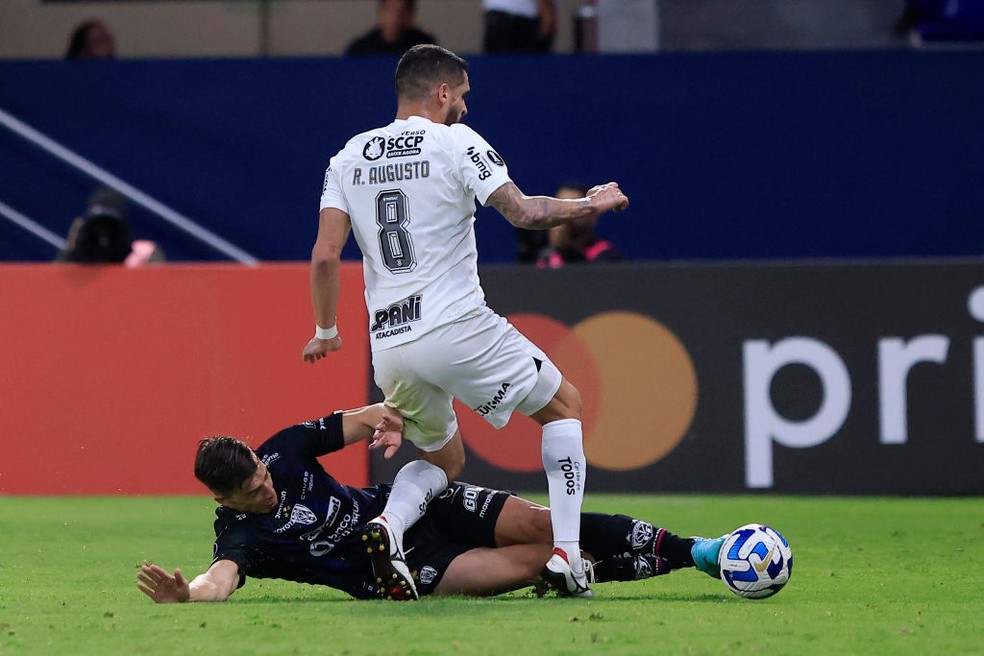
[{"x": 638, "y": 391}]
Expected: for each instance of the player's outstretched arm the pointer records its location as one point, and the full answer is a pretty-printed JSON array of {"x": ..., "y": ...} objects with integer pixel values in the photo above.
[
  {"x": 380, "y": 422},
  {"x": 543, "y": 212},
  {"x": 217, "y": 584},
  {"x": 333, "y": 230}
]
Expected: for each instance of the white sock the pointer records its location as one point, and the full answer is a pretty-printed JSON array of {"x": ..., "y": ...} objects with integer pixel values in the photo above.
[
  {"x": 415, "y": 485},
  {"x": 564, "y": 463}
]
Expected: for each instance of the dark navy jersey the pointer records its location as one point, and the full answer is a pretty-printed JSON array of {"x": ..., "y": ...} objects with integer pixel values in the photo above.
[{"x": 314, "y": 534}]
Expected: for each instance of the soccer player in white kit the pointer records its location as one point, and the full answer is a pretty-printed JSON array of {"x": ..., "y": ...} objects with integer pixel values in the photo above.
[{"x": 408, "y": 192}]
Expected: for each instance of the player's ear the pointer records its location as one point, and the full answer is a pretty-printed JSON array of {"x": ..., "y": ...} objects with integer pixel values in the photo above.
[{"x": 443, "y": 92}]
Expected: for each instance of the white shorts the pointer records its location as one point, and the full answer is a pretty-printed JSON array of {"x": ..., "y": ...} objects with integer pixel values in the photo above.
[{"x": 481, "y": 360}]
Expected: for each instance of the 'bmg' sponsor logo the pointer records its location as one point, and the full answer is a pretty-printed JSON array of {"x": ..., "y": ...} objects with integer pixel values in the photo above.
[{"x": 476, "y": 158}]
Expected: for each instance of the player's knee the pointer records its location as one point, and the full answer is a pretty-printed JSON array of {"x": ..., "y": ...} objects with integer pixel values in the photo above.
[
  {"x": 572, "y": 401},
  {"x": 539, "y": 527},
  {"x": 454, "y": 467},
  {"x": 450, "y": 458},
  {"x": 452, "y": 462},
  {"x": 535, "y": 526},
  {"x": 567, "y": 401},
  {"x": 566, "y": 404}
]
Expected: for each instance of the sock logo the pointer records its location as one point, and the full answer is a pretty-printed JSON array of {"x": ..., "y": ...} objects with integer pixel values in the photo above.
[
  {"x": 643, "y": 570},
  {"x": 427, "y": 575},
  {"x": 642, "y": 533},
  {"x": 427, "y": 499},
  {"x": 572, "y": 475}
]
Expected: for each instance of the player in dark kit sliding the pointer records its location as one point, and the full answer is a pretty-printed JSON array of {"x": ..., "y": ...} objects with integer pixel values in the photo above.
[{"x": 282, "y": 516}]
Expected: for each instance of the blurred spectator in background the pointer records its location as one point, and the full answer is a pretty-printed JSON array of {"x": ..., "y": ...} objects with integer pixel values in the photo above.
[
  {"x": 102, "y": 235},
  {"x": 395, "y": 32},
  {"x": 91, "y": 40},
  {"x": 941, "y": 20},
  {"x": 529, "y": 243},
  {"x": 576, "y": 241},
  {"x": 518, "y": 25}
]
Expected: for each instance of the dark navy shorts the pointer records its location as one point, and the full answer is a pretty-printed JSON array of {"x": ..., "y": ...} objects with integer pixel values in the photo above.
[{"x": 461, "y": 518}]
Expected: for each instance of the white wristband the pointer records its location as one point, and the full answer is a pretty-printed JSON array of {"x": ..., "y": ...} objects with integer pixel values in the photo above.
[{"x": 325, "y": 333}]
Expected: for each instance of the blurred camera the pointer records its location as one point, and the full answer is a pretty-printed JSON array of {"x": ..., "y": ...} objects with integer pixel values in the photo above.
[{"x": 104, "y": 236}]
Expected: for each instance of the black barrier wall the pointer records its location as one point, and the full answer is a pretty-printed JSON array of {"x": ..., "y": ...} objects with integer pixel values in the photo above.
[{"x": 801, "y": 378}]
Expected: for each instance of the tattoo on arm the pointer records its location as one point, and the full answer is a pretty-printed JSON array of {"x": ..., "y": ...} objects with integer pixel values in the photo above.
[
  {"x": 506, "y": 199},
  {"x": 535, "y": 212}
]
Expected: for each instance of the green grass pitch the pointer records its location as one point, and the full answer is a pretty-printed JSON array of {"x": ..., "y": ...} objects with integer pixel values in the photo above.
[{"x": 871, "y": 576}]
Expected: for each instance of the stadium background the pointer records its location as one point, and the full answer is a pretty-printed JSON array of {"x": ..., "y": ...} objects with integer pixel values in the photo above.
[{"x": 790, "y": 211}]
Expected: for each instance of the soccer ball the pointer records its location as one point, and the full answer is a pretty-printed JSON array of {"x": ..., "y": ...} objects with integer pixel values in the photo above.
[{"x": 756, "y": 561}]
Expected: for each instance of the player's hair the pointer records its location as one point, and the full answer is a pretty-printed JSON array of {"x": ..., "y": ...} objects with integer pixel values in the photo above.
[
  {"x": 423, "y": 67},
  {"x": 223, "y": 464}
]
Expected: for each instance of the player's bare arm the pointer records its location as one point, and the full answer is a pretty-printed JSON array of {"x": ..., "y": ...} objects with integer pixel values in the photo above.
[
  {"x": 380, "y": 422},
  {"x": 333, "y": 231},
  {"x": 543, "y": 212},
  {"x": 217, "y": 584}
]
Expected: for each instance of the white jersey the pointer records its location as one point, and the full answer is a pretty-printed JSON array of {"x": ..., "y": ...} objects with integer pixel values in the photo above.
[{"x": 410, "y": 189}]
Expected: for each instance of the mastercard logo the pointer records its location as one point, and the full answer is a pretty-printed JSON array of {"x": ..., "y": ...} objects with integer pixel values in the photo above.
[{"x": 638, "y": 393}]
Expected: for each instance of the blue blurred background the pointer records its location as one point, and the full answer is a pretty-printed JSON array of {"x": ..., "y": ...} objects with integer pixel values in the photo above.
[{"x": 723, "y": 155}]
